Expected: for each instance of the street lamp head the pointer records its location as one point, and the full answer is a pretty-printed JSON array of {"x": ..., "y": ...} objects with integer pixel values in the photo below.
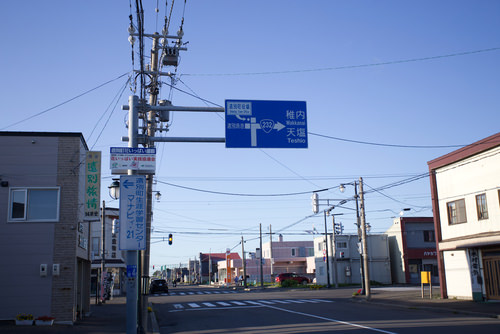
[
  {"x": 114, "y": 189},
  {"x": 158, "y": 195},
  {"x": 342, "y": 188}
]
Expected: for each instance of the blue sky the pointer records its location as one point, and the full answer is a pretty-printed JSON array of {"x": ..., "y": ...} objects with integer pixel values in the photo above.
[{"x": 421, "y": 73}]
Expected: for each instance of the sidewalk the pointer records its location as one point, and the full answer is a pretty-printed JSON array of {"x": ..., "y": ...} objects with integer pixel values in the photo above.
[
  {"x": 107, "y": 318},
  {"x": 411, "y": 297}
]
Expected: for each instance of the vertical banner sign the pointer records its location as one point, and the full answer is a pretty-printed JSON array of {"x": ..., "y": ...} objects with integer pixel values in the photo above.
[
  {"x": 228, "y": 265},
  {"x": 132, "y": 232},
  {"x": 92, "y": 185}
]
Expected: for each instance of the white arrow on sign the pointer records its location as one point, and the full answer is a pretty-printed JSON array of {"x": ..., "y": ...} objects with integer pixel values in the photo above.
[{"x": 266, "y": 125}]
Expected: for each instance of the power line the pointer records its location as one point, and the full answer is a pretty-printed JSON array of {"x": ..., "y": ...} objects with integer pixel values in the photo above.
[
  {"x": 63, "y": 103},
  {"x": 382, "y": 144},
  {"x": 393, "y": 62}
]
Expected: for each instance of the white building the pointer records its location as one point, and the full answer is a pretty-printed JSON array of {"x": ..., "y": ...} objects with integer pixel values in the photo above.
[
  {"x": 465, "y": 187},
  {"x": 345, "y": 267}
]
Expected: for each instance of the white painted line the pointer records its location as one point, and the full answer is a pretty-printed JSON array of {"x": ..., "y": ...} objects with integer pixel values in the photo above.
[
  {"x": 279, "y": 301},
  {"x": 193, "y": 305},
  {"x": 266, "y": 302},
  {"x": 323, "y": 300},
  {"x": 190, "y": 293},
  {"x": 223, "y": 303},
  {"x": 182, "y": 293},
  {"x": 332, "y": 320},
  {"x": 238, "y": 303},
  {"x": 294, "y": 301},
  {"x": 178, "y": 306},
  {"x": 252, "y": 302},
  {"x": 209, "y": 304},
  {"x": 216, "y": 291}
]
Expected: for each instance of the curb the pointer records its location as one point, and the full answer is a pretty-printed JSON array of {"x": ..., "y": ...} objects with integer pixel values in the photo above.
[{"x": 154, "y": 323}]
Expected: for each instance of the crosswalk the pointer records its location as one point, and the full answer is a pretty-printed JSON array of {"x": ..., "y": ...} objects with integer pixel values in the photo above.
[
  {"x": 208, "y": 292},
  {"x": 242, "y": 303}
]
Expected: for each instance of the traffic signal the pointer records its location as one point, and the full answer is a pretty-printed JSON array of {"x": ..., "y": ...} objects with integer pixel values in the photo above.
[
  {"x": 315, "y": 202},
  {"x": 170, "y": 239}
]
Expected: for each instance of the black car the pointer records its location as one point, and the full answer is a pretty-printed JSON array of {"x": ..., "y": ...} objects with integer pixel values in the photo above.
[{"x": 158, "y": 285}]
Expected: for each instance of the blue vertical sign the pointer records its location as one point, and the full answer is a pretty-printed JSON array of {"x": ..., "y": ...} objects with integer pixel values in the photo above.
[
  {"x": 132, "y": 212},
  {"x": 266, "y": 124}
]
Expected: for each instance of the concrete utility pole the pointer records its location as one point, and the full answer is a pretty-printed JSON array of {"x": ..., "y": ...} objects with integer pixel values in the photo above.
[
  {"x": 244, "y": 262},
  {"x": 334, "y": 253},
  {"x": 260, "y": 258},
  {"x": 103, "y": 243},
  {"x": 271, "y": 251},
  {"x": 326, "y": 254},
  {"x": 365, "y": 243}
]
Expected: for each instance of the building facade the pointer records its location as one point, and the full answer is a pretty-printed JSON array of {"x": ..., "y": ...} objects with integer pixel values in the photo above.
[
  {"x": 465, "y": 188},
  {"x": 412, "y": 246},
  {"x": 288, "y": 256},
  {"x": 345, "y": 267},
  {"x": 43, "y": 236}
]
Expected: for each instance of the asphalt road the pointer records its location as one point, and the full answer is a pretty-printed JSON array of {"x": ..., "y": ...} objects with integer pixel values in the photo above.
[{"x": 208, "y": 310}]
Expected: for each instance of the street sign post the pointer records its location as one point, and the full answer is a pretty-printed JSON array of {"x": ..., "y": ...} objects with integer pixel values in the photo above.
[
  {"x": 132, "y": 234},
  {"x": 266, "y": 124}
]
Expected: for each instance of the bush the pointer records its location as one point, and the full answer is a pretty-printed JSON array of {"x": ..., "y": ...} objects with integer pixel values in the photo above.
[{"x": 289, "y": 283}]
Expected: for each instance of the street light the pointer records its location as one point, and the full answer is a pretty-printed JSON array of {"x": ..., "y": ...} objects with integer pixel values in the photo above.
[
  {"x": 114, "y": 189},
  {"x": 158, "y": 196}
]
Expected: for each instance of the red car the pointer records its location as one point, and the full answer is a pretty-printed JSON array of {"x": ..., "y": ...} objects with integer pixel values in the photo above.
[{"x": 285, "y": 276}]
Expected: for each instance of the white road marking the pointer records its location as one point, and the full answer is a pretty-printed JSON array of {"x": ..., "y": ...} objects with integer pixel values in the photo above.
[{"x": 332, "y": 320}]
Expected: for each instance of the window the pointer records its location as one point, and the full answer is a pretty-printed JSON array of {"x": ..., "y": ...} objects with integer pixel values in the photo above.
[
  {"x": 294, "y": 252},
  {"x": 482, "y": 208},
  {"x": 341, "y": 244},
  {"x": 34, "y": 204},
  {"x": 96, "y": 246},
  {"x": 456, "y": 212},
  {"x": 310, "y": 251},
  {"x": 429, "y": 236}
]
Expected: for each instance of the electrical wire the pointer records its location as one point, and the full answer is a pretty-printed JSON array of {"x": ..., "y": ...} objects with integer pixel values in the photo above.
[
  {"x": 64, "y": 102},
  {"x": 393, "y": 62},
  {"x": 111, "y": 113}
]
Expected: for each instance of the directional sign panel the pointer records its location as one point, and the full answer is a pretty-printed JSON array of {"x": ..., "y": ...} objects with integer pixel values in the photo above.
[
  {"x": 132, "y": 212},
  {"x": 140, "y": 159},
  {"x": 266, "y": 124}
]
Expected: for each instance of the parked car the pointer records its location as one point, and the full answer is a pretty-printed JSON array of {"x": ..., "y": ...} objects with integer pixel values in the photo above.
[
  {"x": 292, "y": 276},
  {"x": 158, "y": 285}
]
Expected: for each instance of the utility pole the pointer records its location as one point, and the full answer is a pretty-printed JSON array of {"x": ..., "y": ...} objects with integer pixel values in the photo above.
[
  {"x": 244, "y": 262},
  {"x": 103, "y": 243},
  {"x": 151, "y": 129},
  {"x": 326, "y": 254},
  {"x": 210, "y": 267},
  {"x": 260, "y": 258},
  {"x": 365, "y": 244},
  {"x": 271, "y": 250},
  {"x": 334, "y": 253}
]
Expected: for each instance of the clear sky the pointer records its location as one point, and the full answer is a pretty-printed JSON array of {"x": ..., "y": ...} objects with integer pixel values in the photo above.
[{"x": 419, "y": 77}]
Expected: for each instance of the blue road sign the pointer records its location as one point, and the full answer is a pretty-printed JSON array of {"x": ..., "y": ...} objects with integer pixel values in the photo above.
[
  {"x": 266, "y": 124},
  {"x": 132, "y": 233}
]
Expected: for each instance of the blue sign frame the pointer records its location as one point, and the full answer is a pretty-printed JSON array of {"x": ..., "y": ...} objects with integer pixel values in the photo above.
[
  {"x": 132, "y": 233},
  {"x": 266, "y": 124}
]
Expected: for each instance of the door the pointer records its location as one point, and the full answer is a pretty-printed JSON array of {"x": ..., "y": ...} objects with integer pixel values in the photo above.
[{"x": 491, "y": 265}]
